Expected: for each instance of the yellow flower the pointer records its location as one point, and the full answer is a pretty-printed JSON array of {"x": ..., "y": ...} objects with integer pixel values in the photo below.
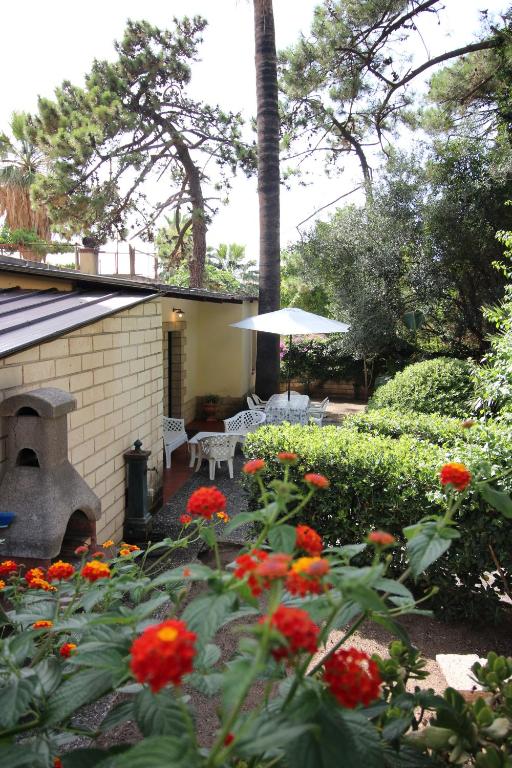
[
  {"x": 223, "y": 516},
  {"x": 108, "y": 543}
]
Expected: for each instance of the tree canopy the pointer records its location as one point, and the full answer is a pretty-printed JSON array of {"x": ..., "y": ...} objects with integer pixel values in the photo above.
[{"x": 134, "y": 121}]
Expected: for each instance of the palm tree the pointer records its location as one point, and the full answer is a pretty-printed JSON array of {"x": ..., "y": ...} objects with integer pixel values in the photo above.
[
  {"x": 20, "y": 161},
  {"x": 267, "y": 360}
]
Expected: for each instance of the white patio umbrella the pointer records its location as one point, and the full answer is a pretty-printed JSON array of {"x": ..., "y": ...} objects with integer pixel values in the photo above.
[{"x": 291, "y": 321}]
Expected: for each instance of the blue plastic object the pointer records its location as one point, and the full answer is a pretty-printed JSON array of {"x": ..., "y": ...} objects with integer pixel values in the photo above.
[{"x": 6, "y": 519}]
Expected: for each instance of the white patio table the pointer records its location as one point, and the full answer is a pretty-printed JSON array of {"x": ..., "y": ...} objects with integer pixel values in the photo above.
[{"x": 294, "y": 410}]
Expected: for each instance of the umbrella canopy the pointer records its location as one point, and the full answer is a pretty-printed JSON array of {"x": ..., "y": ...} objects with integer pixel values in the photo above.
[{"x": 291, "y": 321}]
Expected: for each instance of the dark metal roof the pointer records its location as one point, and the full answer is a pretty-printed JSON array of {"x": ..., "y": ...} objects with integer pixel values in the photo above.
[
  {"x": 82, "y": 279},
  {"x": 32, "y": 317}
]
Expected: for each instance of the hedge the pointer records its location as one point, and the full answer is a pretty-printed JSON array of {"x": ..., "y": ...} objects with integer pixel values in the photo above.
[
  {"x": 440, "y": 430},
  {"x": 442, "y": 386},
  {"x": 389, "y": 483}
]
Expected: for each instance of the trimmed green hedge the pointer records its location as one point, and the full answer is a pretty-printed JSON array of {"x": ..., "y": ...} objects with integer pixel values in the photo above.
[
  {"x": 442, "y": 386},
  {"x": 439, "y": 430},
  {"x": 389, "y": 483}
]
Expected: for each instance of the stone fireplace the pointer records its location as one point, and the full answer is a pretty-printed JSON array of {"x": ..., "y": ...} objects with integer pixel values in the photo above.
[{"x": 55, "y": 510}]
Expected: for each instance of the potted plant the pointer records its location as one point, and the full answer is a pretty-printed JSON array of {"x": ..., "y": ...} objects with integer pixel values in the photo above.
[{"x": 210, "y": 407}]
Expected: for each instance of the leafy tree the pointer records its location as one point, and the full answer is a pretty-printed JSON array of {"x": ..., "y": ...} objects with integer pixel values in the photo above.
[
  {"x": 174, "y": 245},
  {"x": 132, "y": 122},
  {"x": 231, "y": 259},
  {"x": 20, "y": 162},
  {"x": 296, "y": 289},
  {"x": 267, "y": 123},
  {"x": 345, "y": 84}
]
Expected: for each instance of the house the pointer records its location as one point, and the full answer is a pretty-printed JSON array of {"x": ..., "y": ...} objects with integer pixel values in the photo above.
[{"x": 129, "y": 351}]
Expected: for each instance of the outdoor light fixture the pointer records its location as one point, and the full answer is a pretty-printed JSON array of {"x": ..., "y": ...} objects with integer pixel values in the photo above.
[{"x": 179, "y": 312}]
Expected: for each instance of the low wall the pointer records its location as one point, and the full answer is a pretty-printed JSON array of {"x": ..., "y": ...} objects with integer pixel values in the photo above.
[{"x": 337, "y": 389}]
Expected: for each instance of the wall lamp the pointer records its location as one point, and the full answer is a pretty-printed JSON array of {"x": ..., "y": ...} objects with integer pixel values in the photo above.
[{"x": 179, "y": 312}]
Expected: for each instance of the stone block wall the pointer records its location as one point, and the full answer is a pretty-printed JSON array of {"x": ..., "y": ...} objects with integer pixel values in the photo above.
[{"x": 114, "y": 369}]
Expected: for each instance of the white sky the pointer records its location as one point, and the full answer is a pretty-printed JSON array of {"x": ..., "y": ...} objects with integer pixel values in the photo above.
[{"x": 44, "y": 43}]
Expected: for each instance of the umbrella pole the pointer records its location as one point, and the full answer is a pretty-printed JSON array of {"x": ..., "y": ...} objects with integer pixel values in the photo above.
[{"x": 289, "y": 367}]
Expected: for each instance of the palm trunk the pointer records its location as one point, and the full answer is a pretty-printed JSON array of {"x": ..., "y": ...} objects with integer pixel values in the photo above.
[{"x": 267, "y": 359}]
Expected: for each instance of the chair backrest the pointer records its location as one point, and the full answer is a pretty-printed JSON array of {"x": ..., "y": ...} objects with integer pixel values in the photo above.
[
  {"x": 324, "y": 403},
  {"x": 244, "y": 422},
  {"x": 257, "y": 399},
  {"x": 219, "y": 447},
  {"x": 172, "y": 425},
  {"x": 250, "y": 403}
]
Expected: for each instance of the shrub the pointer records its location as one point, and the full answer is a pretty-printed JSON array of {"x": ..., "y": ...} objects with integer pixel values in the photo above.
[
  {"x": 384, "y": 482},
  {"x": 432, "y": 428},
  {"x": 442, "y": 386}
]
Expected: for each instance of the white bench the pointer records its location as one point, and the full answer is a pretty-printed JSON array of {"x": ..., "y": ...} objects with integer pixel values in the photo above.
[{"x": 174, "y": 435}]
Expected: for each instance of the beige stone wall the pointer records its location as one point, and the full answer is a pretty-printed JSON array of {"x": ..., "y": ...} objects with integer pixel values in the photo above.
[{"x": 114, "y": 369}]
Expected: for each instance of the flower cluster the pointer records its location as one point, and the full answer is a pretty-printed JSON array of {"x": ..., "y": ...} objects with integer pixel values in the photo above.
[
  {"x": 94, "y": 570},
  {"x": 316, "y": 481},
  {"x": 286, "y": 457},
  {"x": 299, "y": 632},
  {"x": 455, "y": 474},
  {"x": 381, "y": 538},
  {"x": 306, "y": 576},
  {"x": 60, "y": 570},
  {"x": 7, "y": 567},
  {"x": 206, "y": 502},
  {"x": 127, "y": 549},
  {"x": 352, "y": 677},
  {"x": 308, "y": 540},
  {"x": 253, "y": 467},
  {"x": 302, "y": 576},
  {"x": 67, "y": 649},
  {"x": 163, "y": 654},
  {"x": 38, "y": 583},
  {"x": 42, "y": 624}
]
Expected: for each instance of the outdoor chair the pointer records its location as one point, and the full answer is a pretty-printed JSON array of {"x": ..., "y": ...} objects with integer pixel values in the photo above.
[
  {"x": 245, "y": 421},
  {"x": 317, "y": 415},
  {"x": 216, "y": 449},
  {"x": 318, "y": 406},
  {"x": 174, "y": 436},
  {"x": 254, "y": 406},
  {"x": 257, "y": 399}
]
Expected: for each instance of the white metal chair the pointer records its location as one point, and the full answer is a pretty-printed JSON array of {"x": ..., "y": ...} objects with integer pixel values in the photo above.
[
  {"x": 254, "y": 406},
  {"x": 318, "y": 406},
  {"x": 317, "y": 415},
  {"x": 243, "y": 422},
  {"x": 216, "y": 449},
  {"x": 174, "y": 436}
]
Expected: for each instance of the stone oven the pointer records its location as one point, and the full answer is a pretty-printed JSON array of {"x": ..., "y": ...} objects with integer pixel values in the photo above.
[{"x": 52, "y": 503}]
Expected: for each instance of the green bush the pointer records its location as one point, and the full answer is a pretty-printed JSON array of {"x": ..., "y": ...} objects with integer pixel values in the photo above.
[
  {"x": 389, "y": 483},
  {"x": 442, "y": 386},
  {"x": 432, "y": 428}
]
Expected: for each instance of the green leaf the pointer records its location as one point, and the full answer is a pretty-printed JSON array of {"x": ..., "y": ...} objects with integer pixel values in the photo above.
[
  {"x": 76, "y": 691},
  {"x": 365, "y": 597},
  {"x": 269, "y": 735},
  {"x": 208, "y": 535},
  {"x": 283, "y": 538},
  {"x": 159, "y": 714},
  {"x": 498, "y": 500},
  {"x": 395, "y": 728},
  {"x": 237, "y": 674},
  {"x": 208, "y": 657},
  {"x": 426, "y": 547},
  {"x": 18, "y": 755},
  {"x": 15, "y": 698},
  {"x": 83, "y": 758},
  {"x": 120, "y": 713},
  {"x": 195, "y": 572},
  {"x": 240, "y": 519},
  {"x": 204, "y": 615},
  {"x": 209, "y": 685},
  {"x": 21, "y": 647},
  {"x": 49, "y": 673},
  {"x": 348, "y": 551},
  {"x": 157, "y": 752}
]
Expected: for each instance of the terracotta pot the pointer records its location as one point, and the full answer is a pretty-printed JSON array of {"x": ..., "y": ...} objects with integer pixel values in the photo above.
[{"x": 210, "y": 411}]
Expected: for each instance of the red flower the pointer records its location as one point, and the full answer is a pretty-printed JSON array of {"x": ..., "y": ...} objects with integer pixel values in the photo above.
[
  {"x": 352, "y": 677},
  {"x": 308, "y": 540},
  {"x": 455, "y": 474},
  {"x": 95, "y": 570},
  {"x": 42, "y": 624},
  {"x": 34, "y": 573},
  {"x": 275, "y": 566},
  {"x": 246, "y": 564},
  {"x": 7, "y": 567},
  {"x": 60, "y": 570},
  {"x": 185, "y": 519},
  {"x": 57, "y": 762},
  {"x": 381, "y": 538},
  {"x": 229, "y": 739},
  {"x": 67, "y": 649},
  {"x": 253, "y": 467},
  {"x": 37, "y": 583},
  {"x": 163, "y": 654},
  {"x": 287, "y": 458},
  {"x": 206, "y": 502},
  {"x": 98, "y": 555},
  {"x": 81, "y": 550},
  {"x": 298, "y": 631},
  {"x": 316, "y": 481},
  {"x": 305, "y": 576},
  {"x": 2, "y": 584}
]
